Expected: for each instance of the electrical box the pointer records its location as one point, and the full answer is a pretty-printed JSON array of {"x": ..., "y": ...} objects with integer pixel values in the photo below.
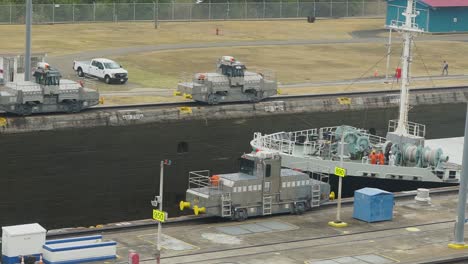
[
  {"x": 21, "y": 240},
  {"x": 373, "y": 205}
]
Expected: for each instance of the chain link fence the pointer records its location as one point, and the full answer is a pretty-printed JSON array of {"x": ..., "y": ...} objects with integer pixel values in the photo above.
[{"x": 77, "y": 13}]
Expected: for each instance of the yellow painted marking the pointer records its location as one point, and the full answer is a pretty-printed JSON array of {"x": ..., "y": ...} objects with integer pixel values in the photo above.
[
  {"x": 187, "y": 96},
  {"x": 340, "y": 172},
  {"x": 159, "y": 215},
  {"x": 457, "y": 246},
  {"x": 3, "y": 121},
  {"x": 185, "y": 110},
  {"x": 413, "y": 229},
  {"x": 344, "y": 100}
]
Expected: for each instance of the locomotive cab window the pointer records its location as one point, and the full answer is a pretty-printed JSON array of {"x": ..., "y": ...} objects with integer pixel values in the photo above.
[
  {"x": 268, "y": 170},
  {"x": 247, "y": 166}
]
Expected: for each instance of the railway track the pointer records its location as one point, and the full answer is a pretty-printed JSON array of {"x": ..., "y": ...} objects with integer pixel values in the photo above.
[{"x": 285, "y": 97}]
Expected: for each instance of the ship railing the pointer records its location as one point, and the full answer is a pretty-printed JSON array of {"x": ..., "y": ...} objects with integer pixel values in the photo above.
[
  {"x": 279, "y": 142},
  {"x": 327, "y": 130},
  {"x": 412, "y": 128},
  {"x": 376, "y": 140},
  {"x": 303, "y": 136}
]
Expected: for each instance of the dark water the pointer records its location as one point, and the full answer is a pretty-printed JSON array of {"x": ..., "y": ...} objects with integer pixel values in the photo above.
[{"x": 92, "y": 176}]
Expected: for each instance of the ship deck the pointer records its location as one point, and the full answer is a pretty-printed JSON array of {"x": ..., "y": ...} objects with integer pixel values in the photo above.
[{"x": 417, "y": 234}]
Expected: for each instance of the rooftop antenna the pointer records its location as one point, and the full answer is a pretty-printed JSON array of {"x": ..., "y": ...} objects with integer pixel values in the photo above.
[
  {"x": 27, "y": 55},
  {"x": 409, "y": 29}
]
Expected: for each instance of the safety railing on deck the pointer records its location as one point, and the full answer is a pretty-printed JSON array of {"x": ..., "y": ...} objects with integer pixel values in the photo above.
[
  {"x": 203, "y": 181},
  {"x": 414, "y": 129}
]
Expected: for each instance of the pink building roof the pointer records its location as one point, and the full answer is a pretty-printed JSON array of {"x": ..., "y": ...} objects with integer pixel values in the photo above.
[{"x": 445, "y": 3}]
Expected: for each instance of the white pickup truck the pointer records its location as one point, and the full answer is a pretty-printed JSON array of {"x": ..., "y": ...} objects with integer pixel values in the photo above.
[{"x": 103, "y": 69}]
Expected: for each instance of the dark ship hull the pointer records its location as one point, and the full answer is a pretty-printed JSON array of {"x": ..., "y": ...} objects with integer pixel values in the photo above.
[{"x": 84, "y": 177}]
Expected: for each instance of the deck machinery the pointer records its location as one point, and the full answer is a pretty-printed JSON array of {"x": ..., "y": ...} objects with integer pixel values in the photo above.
[
  {"x": 261, "y": 187},
  {"x": 231, "y": 83},
  {"x": 47, "y": 93}
]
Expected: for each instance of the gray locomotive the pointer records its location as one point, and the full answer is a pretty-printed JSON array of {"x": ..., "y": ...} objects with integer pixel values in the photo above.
[
  {"x": 261, "y": 187},
  {"x": 231, "y": 83},
  {"x": 48, "y": 93}
]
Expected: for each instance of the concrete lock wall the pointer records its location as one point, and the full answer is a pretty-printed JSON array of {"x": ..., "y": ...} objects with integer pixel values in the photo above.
[{"x": 108, "y": 170}]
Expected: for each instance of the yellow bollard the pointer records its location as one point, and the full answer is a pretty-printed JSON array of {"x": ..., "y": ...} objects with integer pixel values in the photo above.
[
  {"x": 183, "y": 205},
  {"x": 198, "y": 210}
]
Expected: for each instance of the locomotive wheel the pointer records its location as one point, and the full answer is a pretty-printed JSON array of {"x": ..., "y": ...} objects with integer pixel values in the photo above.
[
  {"x": 24, "y": 110},
  {"x": 240, "y": 215},
  {"x": 257, "y": 96},
  {"x": 213, "y": 99},
  {"x": 74, "y": 107},
  {"x": 299, "y": 208}
]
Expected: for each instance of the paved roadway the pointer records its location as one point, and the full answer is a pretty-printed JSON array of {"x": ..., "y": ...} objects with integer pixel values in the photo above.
[
  {"x": 417, "y": 234},
  {"x": 64, "y": 62}
]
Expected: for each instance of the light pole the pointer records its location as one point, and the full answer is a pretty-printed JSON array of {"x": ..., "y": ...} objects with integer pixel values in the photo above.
[
  {"x": 27, "y": 55},
  {"x": 459, "y": 242},
  {"x": 159, "y": 214},
  {"x": 340, "y": 172}
]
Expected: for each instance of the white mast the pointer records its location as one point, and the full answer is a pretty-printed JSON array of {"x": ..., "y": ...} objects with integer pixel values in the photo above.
[{"x": 408, "y": 29}]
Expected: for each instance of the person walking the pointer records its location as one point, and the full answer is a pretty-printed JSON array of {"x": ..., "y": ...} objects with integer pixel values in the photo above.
[{"x": 445, "y": 68}]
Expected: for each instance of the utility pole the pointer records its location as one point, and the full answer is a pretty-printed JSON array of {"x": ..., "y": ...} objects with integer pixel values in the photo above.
[
  {"x": 159, "y": 214},
  {"x": 340, "y": 172},
  {"x": 155, "y": 14},
  {"x": 459, "y": 242},
  {"x": 27, "y": 55}
]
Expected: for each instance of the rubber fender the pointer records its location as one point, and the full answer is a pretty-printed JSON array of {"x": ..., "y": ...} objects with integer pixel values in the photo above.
[
  {"x": 183, "y": 205},
  {"x": 198, "y": 210}
]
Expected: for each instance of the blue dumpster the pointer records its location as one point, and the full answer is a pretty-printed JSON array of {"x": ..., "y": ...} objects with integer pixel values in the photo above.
[{"x": 373, "y": 205}]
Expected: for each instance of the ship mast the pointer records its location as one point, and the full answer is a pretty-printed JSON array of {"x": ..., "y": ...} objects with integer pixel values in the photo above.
[{"x": 409, "y": 30}]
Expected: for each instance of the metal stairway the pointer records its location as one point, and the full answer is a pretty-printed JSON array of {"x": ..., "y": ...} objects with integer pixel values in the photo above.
[
  {"x": 315, "y": 201},
  {"x": 266, "y": 205},
  {"x": 226, "y": 205}
]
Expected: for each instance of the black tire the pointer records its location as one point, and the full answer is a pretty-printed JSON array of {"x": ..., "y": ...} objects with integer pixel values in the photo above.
[
  {"x": 123, "y": 82},
  {"x": 107, "y": 79},
  {"x": 80, "y": 72}
]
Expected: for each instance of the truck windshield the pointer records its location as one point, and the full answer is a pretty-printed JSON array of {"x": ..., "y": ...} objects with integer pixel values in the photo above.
[
  {"x": 247, "y": 166},
  {"x": 111, "y": 65}
]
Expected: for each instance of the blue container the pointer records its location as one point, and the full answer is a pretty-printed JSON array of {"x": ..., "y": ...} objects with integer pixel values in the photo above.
[{"x": 373, "y": 205}]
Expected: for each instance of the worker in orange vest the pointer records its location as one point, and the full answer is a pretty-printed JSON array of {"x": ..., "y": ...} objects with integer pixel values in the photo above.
[
  {"x": 373, "y": 157},
  {"x": 381, "y": 158}
]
